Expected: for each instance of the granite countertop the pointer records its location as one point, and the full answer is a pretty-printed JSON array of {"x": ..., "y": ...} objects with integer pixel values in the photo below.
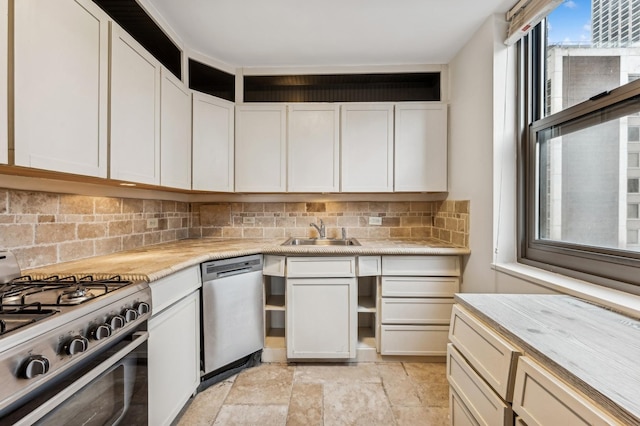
[
  {"x": 590, "y": 347},
  {"x": 154, "y": 262}
]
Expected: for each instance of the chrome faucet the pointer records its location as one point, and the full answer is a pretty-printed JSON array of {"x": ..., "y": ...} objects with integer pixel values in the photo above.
[{"x": 322, "y": 231}]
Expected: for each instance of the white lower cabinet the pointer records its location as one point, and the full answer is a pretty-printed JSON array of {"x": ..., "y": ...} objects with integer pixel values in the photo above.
[
  {"x": 174, "y": 344},
  {"x": 417, "y": 297},
  {"x": 321, "y": 318}
]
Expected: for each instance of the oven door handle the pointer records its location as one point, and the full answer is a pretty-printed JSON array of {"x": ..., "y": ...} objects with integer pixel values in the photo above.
[{"x": 138, "y": 339}]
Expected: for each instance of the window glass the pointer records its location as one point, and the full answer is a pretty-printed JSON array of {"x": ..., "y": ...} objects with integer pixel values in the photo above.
[
  {"x": 592, "y": 47},
  {"x": 633, "y": 160},
  {"x": 633, "y": 211}
]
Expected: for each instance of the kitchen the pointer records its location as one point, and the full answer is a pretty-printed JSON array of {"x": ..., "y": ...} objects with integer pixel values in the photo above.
[{"x": 478, "y": 87}]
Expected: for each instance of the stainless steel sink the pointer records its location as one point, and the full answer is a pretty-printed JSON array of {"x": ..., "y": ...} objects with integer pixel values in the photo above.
[{"x": 321, "y": 242}]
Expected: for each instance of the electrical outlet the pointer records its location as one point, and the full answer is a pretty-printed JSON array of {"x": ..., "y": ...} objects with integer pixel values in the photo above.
[
  {"x": 152, "y": 223},
  {"x": 375, "y": 221}
]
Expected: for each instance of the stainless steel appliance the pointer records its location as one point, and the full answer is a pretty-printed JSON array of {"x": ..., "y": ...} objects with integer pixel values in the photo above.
[
  {"x": 232, "y": 313},
  {"x": 72, "y": 349}
]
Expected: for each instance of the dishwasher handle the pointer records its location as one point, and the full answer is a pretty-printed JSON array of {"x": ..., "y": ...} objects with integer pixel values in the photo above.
[{"x": 234, "y": 272}]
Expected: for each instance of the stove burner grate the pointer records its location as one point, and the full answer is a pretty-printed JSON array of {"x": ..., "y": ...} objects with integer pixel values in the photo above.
[{"x": 12, "y": 317}]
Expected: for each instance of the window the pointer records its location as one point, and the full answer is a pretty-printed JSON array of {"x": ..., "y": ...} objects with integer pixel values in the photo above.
[{"x": 580, "y": 198}]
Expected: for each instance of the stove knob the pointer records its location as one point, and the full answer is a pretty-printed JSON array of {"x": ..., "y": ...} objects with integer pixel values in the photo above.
[
  {"x": 116, "y": 322},
  {"x": 76, "y": 345},
  {"x": 130, "y": 314},
  {"x": 101, "y": 332},
  {"x": 143, "y": 308},
  {"x": 34, "y": 366}
]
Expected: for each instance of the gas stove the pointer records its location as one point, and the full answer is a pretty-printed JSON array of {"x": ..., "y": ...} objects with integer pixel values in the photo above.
[{"x": 49, "y": 325}]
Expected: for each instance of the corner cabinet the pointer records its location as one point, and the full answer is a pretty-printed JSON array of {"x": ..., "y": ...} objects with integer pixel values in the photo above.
[
  {"x": 261, "y": 165},
  {"x": 313, "y": 148},
  {"x": 60, "y": 86},
  {"x": 366, "y": 148},
  {"x": 175, "y": 132},
  {"x": 212, "y": 143},
  {"x": 420, "y": 147},
  {"x": 135, "y": 111},
  {"x": 174, "y": 344}
]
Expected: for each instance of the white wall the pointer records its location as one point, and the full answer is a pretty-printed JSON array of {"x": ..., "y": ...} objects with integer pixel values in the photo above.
[{"x": 482, "y": 155}]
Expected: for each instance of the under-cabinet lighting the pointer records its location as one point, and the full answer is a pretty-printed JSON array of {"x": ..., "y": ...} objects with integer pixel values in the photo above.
[{"x": 127, "y": 184}]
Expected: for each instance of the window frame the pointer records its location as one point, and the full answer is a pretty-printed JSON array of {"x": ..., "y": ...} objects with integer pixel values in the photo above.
[{"x": 618, "y": 269}]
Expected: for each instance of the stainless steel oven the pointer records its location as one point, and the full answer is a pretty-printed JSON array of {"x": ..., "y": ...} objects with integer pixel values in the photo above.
[{"x": 73, "y": 350}]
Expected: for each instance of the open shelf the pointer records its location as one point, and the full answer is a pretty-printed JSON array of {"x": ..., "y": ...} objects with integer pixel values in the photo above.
[
  {"x": 366, "y": 303},
  {"x": 275, "y": 338},
  {"x": 275, "y": 302},
  {"x": 366, "y": 338}
]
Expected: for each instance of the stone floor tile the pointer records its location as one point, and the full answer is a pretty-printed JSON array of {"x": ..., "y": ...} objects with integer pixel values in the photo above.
[
  {"x": 252, "y": 415},
  {"x": 205, "y": 406},
  {"x": 421, "y": 416},
  {"x": 356, "y": 404},
  {"x": 426, "y": 371},
  {"x": 339, "y": 373},
  {"x": 271, "y": 392},
  {"x": 306, "y": 406},
  {"x": 402, "y": 393},
  {"x": 266, "y": 373},
  {"x": 433, "y": 394}
]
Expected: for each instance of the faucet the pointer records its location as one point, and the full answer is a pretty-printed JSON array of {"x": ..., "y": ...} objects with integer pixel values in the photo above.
[{"x": 321, "y": 229}]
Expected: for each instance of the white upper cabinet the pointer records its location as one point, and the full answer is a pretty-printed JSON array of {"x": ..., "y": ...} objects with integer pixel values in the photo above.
[
  {"x": 175, "y": 132},
  {"x": 61, "y": 76},
  {"x": 4, "y": 32},
  {"x": 213, "y": 142},
  {"x": 313, "y": 146},
  {"x": 367, "y": 148},
  {"x": 135, "y": 111},
  {"x": 260, "y": 158},
  {"x": 420, "y": 147}
]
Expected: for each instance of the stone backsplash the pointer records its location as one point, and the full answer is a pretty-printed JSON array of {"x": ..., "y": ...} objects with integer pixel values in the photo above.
[
  {"x": 43, "y": 228},
  {"x": 444, "y": 220}
]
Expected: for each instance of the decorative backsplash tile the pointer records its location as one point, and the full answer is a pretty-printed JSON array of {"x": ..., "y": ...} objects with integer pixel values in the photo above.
[
  {"x": 44, "y": 228},
  {"x": 47, "y": 228}
]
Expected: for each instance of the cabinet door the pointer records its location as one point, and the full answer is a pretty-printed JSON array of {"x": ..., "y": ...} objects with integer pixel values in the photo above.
[
  {"x": 367, "y": 148},
  {"x": 4, "y": 33},
  {"x": 420, "y": 147},
  {"x": 313, "y": 148},
  {"x": 260, "y": 160},
  {"x": 175, "y": 132},
  {"x": 321, "y": 318},
  {"x": 213, "y": 138},
  {"x": 174, "y": 359},
  {"x": 61, "y": 76},
  {"x": 135, "y": 111}
]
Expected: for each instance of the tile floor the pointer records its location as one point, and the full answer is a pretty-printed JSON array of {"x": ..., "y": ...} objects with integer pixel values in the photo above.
[{"x": 324, "y": 394}]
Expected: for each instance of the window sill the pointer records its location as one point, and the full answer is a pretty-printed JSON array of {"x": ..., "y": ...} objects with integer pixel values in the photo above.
[{"x": 616, "y": 300}]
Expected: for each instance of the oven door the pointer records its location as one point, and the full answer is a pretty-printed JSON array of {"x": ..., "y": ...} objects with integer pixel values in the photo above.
[{"x": 109, "y": 390}]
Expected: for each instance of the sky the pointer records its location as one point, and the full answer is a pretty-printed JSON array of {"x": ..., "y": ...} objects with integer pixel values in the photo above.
[{"x": 570, "y": 22}]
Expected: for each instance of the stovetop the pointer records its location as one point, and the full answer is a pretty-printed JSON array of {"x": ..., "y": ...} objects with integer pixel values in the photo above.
[{"x": 25, "y": 300}]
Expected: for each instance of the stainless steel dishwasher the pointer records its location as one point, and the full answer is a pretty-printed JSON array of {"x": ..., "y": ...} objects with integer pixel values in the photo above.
[{"x": 232, "y": 314}]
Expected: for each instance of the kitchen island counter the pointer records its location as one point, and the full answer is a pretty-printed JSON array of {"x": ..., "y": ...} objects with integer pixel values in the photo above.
[
  {"x": 151, "y": 263},
  {"x": 592, "y": 348}
]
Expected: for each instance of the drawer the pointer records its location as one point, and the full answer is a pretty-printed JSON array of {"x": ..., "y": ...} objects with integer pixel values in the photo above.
[
  {"x": 321, "y": 266},
  {"x": 369, "y": 266},
  {"x": 273, "y": 266},
  {"x": 419, "y": 340},
  {"x": 419, "y": 286},
  {"x": 170, "y": 289},
  {"x": 416, "y": 311},
  {"x": 440, "y": 266},
  {"x": 485, "y": 406},
  {"x": 540, "y": 398},
  {"x": 458, "y": 412},
  {"x": 493, "y": 357}
]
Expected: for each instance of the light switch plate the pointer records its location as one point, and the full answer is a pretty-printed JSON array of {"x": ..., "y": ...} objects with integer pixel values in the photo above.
[{"x": 152, "y": 223}]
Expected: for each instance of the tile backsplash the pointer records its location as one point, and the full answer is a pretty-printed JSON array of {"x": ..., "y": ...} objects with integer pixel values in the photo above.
[{"x": 46, "y": 228}]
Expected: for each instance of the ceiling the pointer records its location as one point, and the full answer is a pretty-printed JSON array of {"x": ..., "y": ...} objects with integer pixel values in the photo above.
[{"x": 294, "y": 33}]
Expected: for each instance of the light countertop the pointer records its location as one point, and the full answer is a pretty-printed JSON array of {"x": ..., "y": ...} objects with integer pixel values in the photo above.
[{"x": 151, "y": 263}]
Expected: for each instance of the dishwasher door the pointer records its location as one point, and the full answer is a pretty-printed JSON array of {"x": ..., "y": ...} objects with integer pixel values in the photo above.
[{"x": 232, "y": 316}]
